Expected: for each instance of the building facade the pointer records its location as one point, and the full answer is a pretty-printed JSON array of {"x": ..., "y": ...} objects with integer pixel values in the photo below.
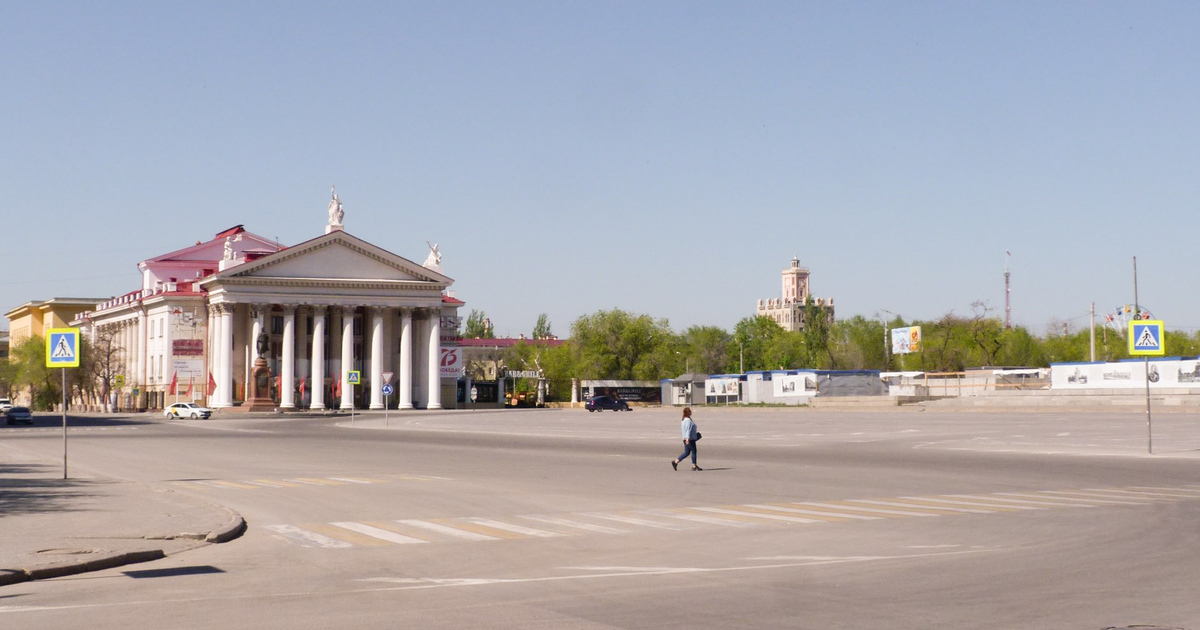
[
  {"x": 788, "y": 310},
  {"x": 32, "y": 319},
  {"x": 331, "y": 318}
]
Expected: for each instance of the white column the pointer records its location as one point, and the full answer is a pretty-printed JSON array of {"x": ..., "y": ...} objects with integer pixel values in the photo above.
[
  {"x": 141, "y": 340},
  {"x": 318, "y": 358},
  {"x": 406, "y": 359},
  {"x": 214, "y": 356},
  {"x": 376, "y": 357},
  {"x": 225, "y": 341},
  {"x": 256, "y": 328},
  {"x": 420, "y": 360},
  {"x": 287, "y": 388},
  {"x": 435, "y": 360},
  {"x": 347, "y": 356}
]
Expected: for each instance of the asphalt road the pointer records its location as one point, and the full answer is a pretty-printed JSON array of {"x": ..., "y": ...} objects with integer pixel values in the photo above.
[{"x": 565, "y": 519}]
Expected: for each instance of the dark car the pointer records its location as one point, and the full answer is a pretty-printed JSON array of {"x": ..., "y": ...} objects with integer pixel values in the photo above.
[
  {"x": 599, "y": 403},
  {"x": 18, "y": 415}
]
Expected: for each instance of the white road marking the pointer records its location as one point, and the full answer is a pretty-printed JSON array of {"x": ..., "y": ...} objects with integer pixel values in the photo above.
[
  {"x": 1140, "y": 494},
  {"x": 600, "y": 529},
  {"x": 862, "y": 517},
  {"x": 1004, "y": 502},
  {"x": 381, "y": 534},
  {"x": 630, "y": 520},
  {"x": 774, "y": 517},
  {"x": 697, "y": 518},
  {"x": 903, "y": 505},
  {"x": 350, "y": 480},
  {"x": 1089, "y": 501},
  {"x": 304, "y": 536},
  {"x": 830, "y": 506},
  {"x": 516, "y": 529},
  {"x": 447, "y": 530},
  {"x": 1102, "y": 498}
]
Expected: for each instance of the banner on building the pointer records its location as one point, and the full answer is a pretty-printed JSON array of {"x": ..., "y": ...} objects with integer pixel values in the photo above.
[
  {"x": 906, "y": 340},
  {"x": 187, "y": 347},
  {"x": 722, "y": 387},
  {"x": 785, "y": 385},
  {"x": 188, "y": 368},
  {"x": 451, "y": 364}
]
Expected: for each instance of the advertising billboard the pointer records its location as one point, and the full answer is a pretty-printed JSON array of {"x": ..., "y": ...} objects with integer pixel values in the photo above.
[{"x": 906, "y": 340}]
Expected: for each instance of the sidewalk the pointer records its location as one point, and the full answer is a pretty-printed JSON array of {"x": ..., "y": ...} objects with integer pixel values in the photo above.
[{"x": 51, "y": 527}]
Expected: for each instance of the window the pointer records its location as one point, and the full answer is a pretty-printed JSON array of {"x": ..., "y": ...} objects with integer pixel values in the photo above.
[{"x": 277, "y": 324}]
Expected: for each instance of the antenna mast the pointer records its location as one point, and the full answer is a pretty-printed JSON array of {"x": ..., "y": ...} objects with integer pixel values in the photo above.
[{"x": 1007, "y": 294}]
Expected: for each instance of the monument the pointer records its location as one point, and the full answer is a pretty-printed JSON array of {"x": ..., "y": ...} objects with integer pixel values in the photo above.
[{"x": 259, "y": 396}]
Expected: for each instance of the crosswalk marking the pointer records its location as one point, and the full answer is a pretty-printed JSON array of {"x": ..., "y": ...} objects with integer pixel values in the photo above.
[
  {"x": 318, "y": 481},
  {"x": 841, "y": 506},
  {"x": 842, "y": 516},
  {"x": 234, "y": 484},
  {"x": 350, "y": 480},
  {"x": 924, "y": 505},
  {"x": 307, "y": 536},
  {"x": 696, "y": 518},
  {"x": 516, "y": 529},
  {"x": 587, "y": 527},
  {"x": 446, "y": 530},
  {"x": 276, "y": 483},
  {"x": 1040, "y": 502},
  {"x": 343, "y": 534},
  {"x": 630, "y": 520},
  {"x": 381, "y": 534},
  {"x": 758, "y": 515}
]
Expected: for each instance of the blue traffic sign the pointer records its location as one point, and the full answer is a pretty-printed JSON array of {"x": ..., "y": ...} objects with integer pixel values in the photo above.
[
  {"x": 1146, "y": 337},
  {"x": 387, "y": 389},
  {"x": 62, "y": 348}
]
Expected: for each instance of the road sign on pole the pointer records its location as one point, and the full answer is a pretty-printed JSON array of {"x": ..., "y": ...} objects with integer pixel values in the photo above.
[
  {"x": 62, "y": 348},
  {"x": 353, "y": 377},
  {"x": 387, "y": 389},
  {"x": 1146, "y": 338},
  {"x": 387, "y": 376}
]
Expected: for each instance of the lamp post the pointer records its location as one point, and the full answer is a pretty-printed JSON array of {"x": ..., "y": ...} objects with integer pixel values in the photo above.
[{"x": 887, "y": 341}]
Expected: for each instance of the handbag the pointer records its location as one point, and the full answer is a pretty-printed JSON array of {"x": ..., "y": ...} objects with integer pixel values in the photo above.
[{"x": 698, "y": 436}]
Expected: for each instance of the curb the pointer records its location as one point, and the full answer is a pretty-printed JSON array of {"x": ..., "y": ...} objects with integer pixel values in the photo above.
[{"x": 231, "y": 530}]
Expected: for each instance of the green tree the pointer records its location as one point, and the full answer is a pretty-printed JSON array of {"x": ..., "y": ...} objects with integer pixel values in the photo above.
[
  {"x": 755, "y": 345},
  {"x": 818, "y": 321},
  {"x": 705, "y": 349},
  {"x": 619, "y": 345},
  {"x": 478, "y": 326},
  {"x": 30, "y": 371},
  {"x": 858, "y": 344},
  {"x": 541, "y": 330}
]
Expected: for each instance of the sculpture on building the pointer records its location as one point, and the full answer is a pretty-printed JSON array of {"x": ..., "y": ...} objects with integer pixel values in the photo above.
[
  {"x": 434, "y": 261},
  {"x": 228, "y": 248},
  {"x": 335, "y": 208}
]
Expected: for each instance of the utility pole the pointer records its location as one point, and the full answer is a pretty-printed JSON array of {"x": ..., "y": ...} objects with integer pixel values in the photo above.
[
  {"x": 1007, "y": 294},
  {"x": 1093, "y": 332}
]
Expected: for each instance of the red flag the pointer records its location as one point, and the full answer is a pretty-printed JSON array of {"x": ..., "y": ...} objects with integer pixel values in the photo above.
[
  {"x": 302, "y": 381},
  {"x": 337, "y": 387},
  {"x": 174, "y": 380},
  {"x": 212, "y": 384},
  {"x": 188, "y": 393}
]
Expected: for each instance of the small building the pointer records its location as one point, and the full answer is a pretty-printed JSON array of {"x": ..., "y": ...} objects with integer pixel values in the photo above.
[{"x": 687, "y": 389}]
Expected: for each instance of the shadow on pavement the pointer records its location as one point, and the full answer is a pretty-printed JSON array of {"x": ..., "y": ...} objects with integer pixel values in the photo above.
[
  {"x": 47, "y": 419},
  {"x": 39, "y": 489},
  {"x": 178, "y": 571}
]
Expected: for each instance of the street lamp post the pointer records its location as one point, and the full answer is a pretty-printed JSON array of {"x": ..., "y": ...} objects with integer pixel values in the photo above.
[{"x": 887, "y": 341}]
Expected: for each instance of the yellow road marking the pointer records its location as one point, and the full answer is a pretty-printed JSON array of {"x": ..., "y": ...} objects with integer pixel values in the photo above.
[{"x": 234, "y": 484}]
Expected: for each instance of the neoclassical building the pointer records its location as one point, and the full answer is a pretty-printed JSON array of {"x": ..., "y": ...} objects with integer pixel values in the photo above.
[{"x": 315, "y": 312}]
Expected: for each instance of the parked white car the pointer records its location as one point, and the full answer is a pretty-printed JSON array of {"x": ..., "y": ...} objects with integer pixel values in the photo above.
[
  {"x": 5, "y": 405},
  {"x": 187, "y": 410}
]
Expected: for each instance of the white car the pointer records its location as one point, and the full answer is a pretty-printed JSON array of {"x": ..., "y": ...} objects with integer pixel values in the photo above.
[
  {"x": 187, "y": 410},
  {"x": 5, "y": 405}
]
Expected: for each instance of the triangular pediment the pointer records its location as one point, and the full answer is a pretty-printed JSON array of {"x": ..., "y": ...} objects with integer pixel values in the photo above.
[{"x": 337, "y": 256}]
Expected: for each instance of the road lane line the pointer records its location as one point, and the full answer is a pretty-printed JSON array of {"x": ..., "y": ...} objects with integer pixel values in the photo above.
[
  {"x": 478, "y": 529},
  {"x": 970, "y": 502},
  {"x": 350, "y": 480},
  {"x": 1103, "y": 498},
  {"x": 1144, "y": 493},
  {"x": 341, "y": 533},
  {"x": 277, "y": 483},
  {"x": 234, "y": 484},
  {"x": 306, "y": 536},
  {"x": 322, "y": 481},
  {"x": 381, "y": 534},
  {"x": 446, "y": 530},
  {"x": 553, "y": 520}
]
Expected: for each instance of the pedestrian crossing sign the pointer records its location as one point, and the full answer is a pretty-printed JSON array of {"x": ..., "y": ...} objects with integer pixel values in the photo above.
[
  {"x": 353, "y": 377},
  {"x": 62, "y": 347},
  {"x": 1146, "y": 338}
]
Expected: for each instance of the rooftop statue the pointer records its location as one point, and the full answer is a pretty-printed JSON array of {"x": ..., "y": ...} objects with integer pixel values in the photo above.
[
  {"x": 335, "y": 208},
  {"x": 434, "y": 261}
]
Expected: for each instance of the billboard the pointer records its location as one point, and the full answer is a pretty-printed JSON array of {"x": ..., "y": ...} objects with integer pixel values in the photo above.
[
  {"x": 785, "y": 385},
  {"x": 451, "y": 364},
  {"x": 906, "y": 340},
  {"x": 722, "y": 387}
]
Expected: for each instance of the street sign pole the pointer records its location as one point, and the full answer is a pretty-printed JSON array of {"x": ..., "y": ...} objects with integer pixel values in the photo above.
[
  {"x": 1149, "y": 429},
  {"x": 64, "y": 419}
]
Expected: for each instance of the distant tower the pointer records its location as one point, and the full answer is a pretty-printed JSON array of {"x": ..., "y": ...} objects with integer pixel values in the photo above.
[
  {"x": 795, "y": 282},
  {"x": 1007, "y": 294}
]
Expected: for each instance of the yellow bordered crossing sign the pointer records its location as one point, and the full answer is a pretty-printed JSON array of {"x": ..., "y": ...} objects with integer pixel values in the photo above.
[
  {"x": 1146, "y": 338},
  {"x": 62, "y": 347},
  {"x": 353, "y": 377}
]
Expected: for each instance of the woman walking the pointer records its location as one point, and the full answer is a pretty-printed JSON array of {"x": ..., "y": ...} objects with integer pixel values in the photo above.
[{"x": 690, "y": 435}]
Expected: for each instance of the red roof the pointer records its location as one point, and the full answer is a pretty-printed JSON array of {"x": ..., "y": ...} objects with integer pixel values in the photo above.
[{"x": 508, "y": 342}]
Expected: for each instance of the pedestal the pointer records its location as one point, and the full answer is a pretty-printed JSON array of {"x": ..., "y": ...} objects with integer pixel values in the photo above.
[{"x": 260, "y": 388}]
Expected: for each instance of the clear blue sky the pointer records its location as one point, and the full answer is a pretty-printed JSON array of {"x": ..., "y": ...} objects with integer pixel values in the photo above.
[{"x": 666, "y": 158}]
